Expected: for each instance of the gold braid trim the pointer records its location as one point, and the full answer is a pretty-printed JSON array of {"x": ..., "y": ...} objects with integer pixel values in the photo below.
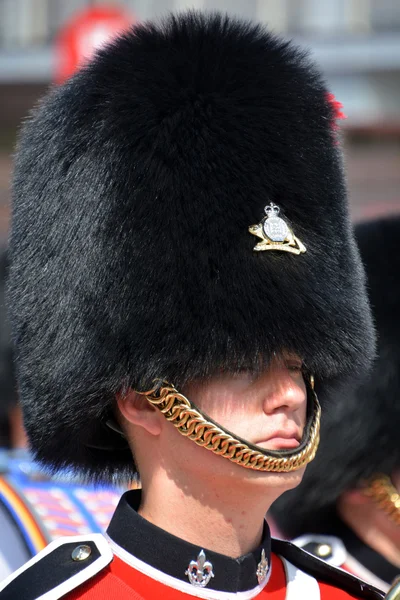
[
  {"x": 382, "y": 491},
  {"x": 191, "y": 423}
]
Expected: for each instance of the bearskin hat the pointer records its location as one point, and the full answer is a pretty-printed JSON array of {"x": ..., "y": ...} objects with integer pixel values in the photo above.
[
  {"x": 360, "y": 432},
  {"x": 135, "y": 186}
]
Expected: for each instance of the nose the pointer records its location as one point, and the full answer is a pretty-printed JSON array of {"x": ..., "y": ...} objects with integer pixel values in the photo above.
[{"x": 283, "y": 390}]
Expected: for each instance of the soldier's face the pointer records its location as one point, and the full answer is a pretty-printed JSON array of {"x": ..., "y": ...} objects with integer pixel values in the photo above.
[{"x": 267, "y": 410}]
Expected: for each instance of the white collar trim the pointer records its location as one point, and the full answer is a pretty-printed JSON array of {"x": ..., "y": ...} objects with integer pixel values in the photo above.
[
  {"x": 362, "y": 572},
  {"x": 299, "y": 584}
]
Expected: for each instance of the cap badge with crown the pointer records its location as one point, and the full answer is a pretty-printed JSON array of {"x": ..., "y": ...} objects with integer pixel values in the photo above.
[{"x": 275, "y": 233}]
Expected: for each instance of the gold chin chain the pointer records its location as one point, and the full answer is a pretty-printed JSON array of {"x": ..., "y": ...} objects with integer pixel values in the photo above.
[
  {"x": 191, "y": 423},
  {"x": 382, "y": 491}
]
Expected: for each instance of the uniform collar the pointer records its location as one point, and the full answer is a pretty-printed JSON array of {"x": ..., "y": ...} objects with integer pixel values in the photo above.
[{"x": 170, "y": 557}]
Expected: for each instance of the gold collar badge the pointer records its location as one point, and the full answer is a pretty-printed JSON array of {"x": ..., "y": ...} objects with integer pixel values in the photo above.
[{"x": 275, "y": 233}]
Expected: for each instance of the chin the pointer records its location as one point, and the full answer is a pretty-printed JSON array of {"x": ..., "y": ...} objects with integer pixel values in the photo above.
[{"x": 281, "y": 482}]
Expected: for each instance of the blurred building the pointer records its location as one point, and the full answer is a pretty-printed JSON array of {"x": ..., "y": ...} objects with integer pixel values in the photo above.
[{"x": 357, "y": 43}]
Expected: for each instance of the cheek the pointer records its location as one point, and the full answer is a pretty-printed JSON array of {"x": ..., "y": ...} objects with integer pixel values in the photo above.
[
  {"x": 304, "y": 406},
  {"x": 228, "y": 409},
  {"x": 182, "y": 458},
  {"x": 300, "y": 389},
  {"x": 219, "y": 402},
  {"x": 234, "y": 410}
]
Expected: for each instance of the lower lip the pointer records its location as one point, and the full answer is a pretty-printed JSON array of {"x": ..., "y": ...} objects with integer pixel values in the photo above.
[{"x": 280, "y": 444}]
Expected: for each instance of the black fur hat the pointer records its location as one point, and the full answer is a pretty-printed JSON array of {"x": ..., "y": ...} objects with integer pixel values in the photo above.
[
  {"x": 360, "y": 433},
  {"x": 135, "y": 185}
]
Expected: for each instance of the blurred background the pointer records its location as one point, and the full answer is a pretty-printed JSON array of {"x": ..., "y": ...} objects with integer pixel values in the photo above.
[{"x": 356, "y": 42}]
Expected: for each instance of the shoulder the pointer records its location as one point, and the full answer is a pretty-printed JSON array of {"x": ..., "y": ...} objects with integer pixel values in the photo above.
[
  {"x": 327, "y": 547},
  {"x": 60, "y": 568},
  {"x": 304, "y": 571}
]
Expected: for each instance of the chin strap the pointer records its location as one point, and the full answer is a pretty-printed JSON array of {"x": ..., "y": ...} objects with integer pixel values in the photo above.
[
  {"x": 382, "y": 491},
  {"x": 199, "y": 428}
]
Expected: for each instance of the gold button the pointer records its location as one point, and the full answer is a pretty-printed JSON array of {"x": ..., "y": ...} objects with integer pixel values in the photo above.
[
  {"x": 81, "y": 552},
  {"x": 323, "y": 550}
]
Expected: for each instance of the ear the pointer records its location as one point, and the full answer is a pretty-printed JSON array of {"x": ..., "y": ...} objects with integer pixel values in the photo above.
[{"x": 137, "y": 410}]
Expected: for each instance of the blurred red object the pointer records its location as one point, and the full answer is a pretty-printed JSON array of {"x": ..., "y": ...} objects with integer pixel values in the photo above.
[
  {"x": 85, "y": 33},
  {"x": 337, "y": 108}
]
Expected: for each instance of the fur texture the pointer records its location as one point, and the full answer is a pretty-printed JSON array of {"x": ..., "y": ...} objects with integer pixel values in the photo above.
[
  {"x": 8, "y": 386},
  {"x": 134, "y": 188},
  {"x": 360, "y": 433}
]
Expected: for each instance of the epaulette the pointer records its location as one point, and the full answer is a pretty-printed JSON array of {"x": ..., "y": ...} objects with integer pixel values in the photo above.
[
  {"x": 328, "y": 547},
  {"x": 325, "y": 572},
  {"x": 58, "y": 569}
]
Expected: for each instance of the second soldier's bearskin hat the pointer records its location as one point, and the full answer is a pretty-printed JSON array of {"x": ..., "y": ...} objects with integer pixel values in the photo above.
[
  {"x": 360, "y": 432},
  {"x": 135, "y": 187}
]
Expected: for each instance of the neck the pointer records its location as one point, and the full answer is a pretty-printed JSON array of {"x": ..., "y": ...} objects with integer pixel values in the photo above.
[
  {"x": 374, "y": 528},
  {"x": 224, "y": 522}
]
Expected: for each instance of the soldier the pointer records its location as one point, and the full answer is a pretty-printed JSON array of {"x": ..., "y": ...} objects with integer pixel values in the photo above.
[
  {"x": 155, "y": 333},
  {"x": 347, "y": 509}
]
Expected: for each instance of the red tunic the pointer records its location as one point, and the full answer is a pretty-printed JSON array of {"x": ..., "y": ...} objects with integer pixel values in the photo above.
[
  {"x": 119, "y": 581},
  {"x": 139, "y": 561}
]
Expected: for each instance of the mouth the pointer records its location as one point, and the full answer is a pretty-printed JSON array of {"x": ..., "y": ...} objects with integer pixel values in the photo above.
[{"x": 281, "y": 440}]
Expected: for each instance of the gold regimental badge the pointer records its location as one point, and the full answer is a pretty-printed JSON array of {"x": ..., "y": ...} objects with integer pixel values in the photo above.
[{"x": 275, "y": 233}]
